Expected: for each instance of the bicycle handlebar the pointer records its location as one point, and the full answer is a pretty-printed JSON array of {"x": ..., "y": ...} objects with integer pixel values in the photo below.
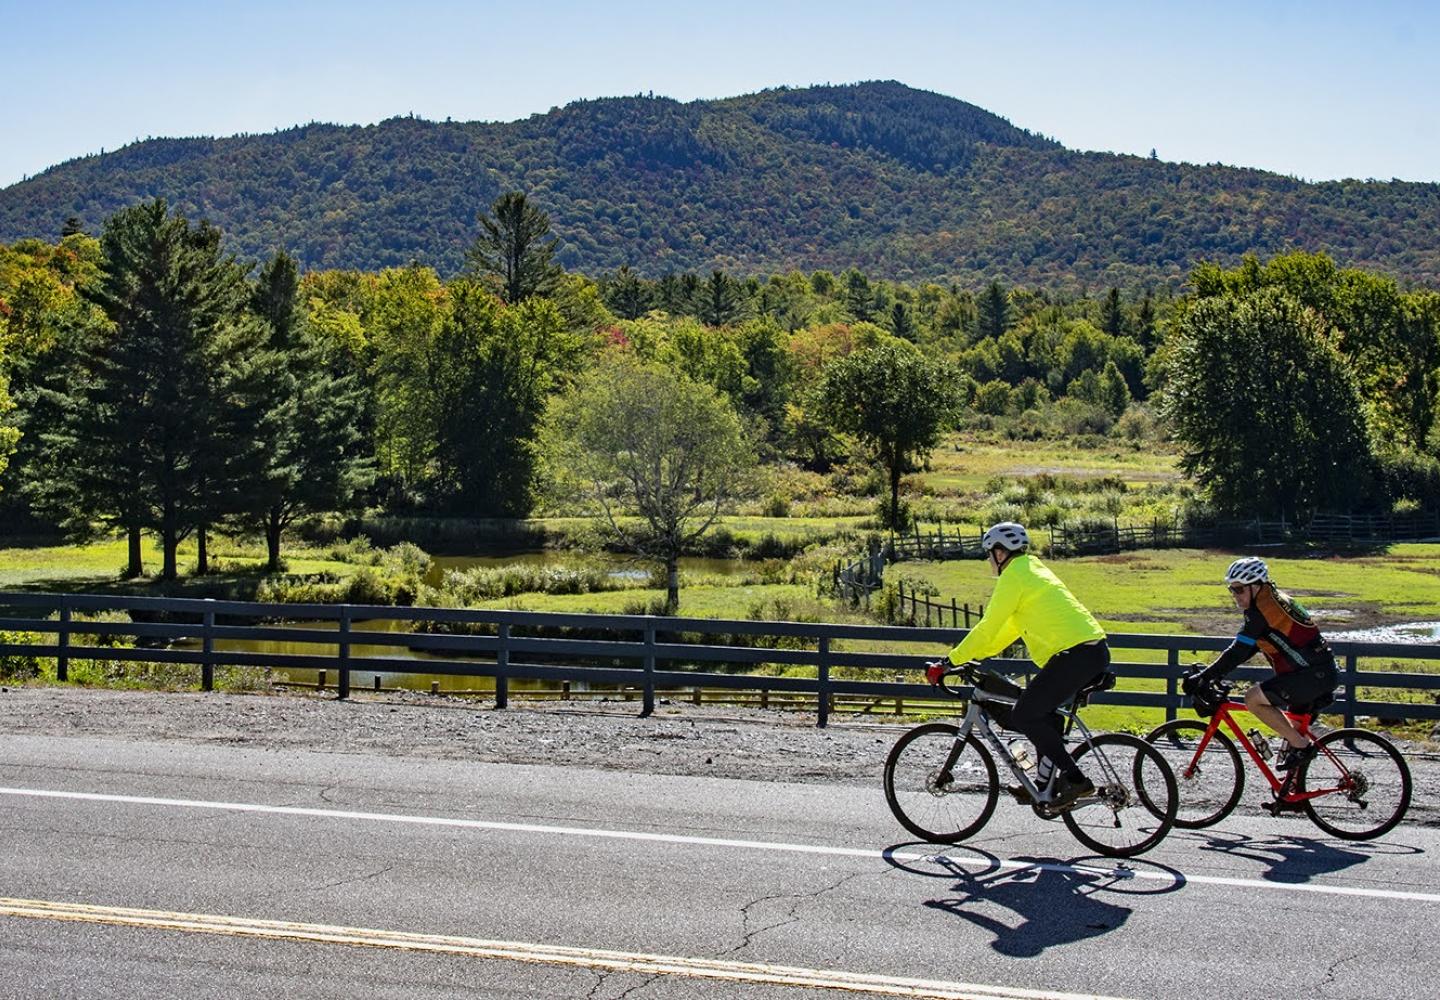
[{"x": 967, "y": 672}]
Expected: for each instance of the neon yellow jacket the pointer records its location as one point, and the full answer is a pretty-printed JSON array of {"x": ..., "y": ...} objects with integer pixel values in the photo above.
[{"x": 1029, "y": 603}]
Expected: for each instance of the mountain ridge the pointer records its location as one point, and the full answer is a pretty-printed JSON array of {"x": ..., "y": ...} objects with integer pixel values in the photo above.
[{"x": 902, "y": 183}]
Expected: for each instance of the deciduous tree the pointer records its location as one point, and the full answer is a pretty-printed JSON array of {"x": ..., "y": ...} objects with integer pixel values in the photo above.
[{"x": 642, "y": 440}]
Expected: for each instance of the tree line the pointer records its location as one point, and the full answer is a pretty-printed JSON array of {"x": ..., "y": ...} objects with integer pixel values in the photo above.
[{"x": 152, "y": 382}]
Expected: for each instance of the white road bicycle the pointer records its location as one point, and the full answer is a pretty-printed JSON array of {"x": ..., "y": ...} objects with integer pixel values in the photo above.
[{"x": 942, "y": 783}]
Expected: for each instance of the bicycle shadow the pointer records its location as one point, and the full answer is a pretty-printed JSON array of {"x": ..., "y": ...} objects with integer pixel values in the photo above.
[
  {"x": 1031, "y": 904},
  {"x": 1293, "y": 859}
]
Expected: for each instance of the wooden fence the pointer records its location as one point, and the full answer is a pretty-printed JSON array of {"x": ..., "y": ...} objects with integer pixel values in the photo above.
[{"x": 638, "y": 651}]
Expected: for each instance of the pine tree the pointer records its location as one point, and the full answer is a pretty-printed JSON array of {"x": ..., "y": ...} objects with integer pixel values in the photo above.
[
  {"x": 153, "y": 418},
  {"x": 311, "y": 425},
  {"x": 859, "y": 299},
  {"x": 721, "y": 303},
  {"x": 1145, "y": 322},
  {"x": 1112, "y": 314},
  {"x": 627, "y": 295},
  {"x": 515, "y": 249},
  {"x": 901, "y": 325},
  {"x": 994, "y": 311}
]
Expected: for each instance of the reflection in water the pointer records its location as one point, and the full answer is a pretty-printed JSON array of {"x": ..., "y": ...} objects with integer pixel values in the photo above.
[{"x": 622, "y": 566}]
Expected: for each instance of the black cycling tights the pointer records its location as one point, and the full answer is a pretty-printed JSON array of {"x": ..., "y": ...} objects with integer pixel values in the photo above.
[{"x": 1052, "y": 687}]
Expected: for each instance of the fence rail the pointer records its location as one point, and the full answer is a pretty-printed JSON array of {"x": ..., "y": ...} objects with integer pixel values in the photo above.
[{"x": 644, "y": 652}]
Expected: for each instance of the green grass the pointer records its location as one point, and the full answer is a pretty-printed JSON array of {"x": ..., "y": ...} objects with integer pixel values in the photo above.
[
  {"x": 99, "y": 564},
  {"x": 965, "y": 462}
]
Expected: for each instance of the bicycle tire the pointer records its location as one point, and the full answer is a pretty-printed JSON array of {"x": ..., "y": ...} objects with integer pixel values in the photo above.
[
  {"x": 1098, "y": 823},
  {"x": 1370, "y": 759},
  {"x": 935, "y": 811},
  {"x": 1202, "y": 802}
]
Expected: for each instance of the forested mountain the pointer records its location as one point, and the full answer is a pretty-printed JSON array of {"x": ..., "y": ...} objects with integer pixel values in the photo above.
[{"x": 900, "y": 183}]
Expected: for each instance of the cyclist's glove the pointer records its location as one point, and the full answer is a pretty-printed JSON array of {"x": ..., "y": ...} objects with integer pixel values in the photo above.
[{"x": 934, "y": 672}]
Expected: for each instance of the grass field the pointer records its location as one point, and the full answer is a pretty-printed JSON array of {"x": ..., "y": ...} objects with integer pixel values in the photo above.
[{"x": 1156, "y": 591}]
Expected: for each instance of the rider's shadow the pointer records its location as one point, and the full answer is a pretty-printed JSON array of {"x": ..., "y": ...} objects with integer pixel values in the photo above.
[
  {"x": 1290, "y": 859},
  {"x": 1054, "y": 906}
]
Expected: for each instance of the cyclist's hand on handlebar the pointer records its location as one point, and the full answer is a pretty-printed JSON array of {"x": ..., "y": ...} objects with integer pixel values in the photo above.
[{"x": 935, "y": 672}]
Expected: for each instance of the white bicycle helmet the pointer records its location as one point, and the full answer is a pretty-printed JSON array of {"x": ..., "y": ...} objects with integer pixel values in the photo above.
[
  {"x": 1008, "y": 535},
  {"x": 1248, "y": 569}
]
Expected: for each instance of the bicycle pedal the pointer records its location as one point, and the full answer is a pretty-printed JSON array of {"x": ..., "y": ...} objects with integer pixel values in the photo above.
[
  {"x": 1280, "y": 806},
  {"x": 1020, "y": 794}
]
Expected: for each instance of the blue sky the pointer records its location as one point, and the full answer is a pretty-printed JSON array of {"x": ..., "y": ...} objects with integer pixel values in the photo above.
[{"x": 1321, "y": 90}]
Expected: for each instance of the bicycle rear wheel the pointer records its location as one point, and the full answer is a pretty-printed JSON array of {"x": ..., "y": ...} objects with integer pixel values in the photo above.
[
  {"x": 1209, "y": 786},
  {"x": 1366, "y": 780},
  {"x": 1121, "y": 822},
  {"x": 940, "y": 803}
]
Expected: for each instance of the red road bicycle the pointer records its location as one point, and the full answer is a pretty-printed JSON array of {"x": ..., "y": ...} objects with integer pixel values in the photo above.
[{"x": 1356, "y": 786}]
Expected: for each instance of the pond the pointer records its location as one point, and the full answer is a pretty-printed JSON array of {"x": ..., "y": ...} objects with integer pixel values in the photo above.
[
  {"x": 1408, "y": 632},
  {"x": 621, "y": 566}
]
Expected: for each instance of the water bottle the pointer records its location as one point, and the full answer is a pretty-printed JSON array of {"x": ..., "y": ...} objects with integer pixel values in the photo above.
[
  {"x": 1022, "y": 758},
  {"x": 1262, "y": 745}
]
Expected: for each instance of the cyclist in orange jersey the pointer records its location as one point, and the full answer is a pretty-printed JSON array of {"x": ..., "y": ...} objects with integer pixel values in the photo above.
[{"x": 1279, "y": 626}]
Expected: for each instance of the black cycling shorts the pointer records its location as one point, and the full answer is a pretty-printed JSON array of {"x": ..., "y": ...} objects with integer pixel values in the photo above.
[{"x": 1300, "y": 688}]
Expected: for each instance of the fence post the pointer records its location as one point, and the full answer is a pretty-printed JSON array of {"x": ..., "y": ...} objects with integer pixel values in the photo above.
[
  {"x": 207, "y": 651},
  {"x": 954, "y": 614},
  {"x": 62, "y": 656},
  {"x": 502, "y": 667},
  {"x": 649, "y": 706},
  {"x": 344, "y": 651},
  {"x": 823, "y": 687},
  {"x": 1172, "y": 660},
  {"x": 1352, "y": 689}
]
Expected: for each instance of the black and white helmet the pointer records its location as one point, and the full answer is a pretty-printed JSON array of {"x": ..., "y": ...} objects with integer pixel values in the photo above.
[
  {"x": 1248, "y": 569},
  {"x": 1008, "y": 535}
]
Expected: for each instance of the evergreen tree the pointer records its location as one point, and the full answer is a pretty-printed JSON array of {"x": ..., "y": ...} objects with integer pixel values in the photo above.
[
  {"x": 515, "y": 249},
  {"x": 154, "y": 418},
  {"x": 859, "y": 299},
  {"x": 1112, "y": 314},
  {"x": 901, "y": 325},
  {"x": 994, "y": 311},
  {"x": 1145, "y": 331},
  {"x": 721, "y": 303},
  {"x": 312, "y": 426},
  {"x": 627, "y": 295}
]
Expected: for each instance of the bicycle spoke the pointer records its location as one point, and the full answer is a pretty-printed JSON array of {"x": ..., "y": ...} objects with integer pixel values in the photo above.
[
  {"x": 933, "y": 801},
  {"x": 1209, "y": 786},
  {"x": 1122, "y": 820},
  {"x": 1365, "y": 784}
]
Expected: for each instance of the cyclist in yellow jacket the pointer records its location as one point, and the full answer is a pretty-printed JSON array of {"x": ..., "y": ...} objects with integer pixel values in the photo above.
[{"x": 1062, "y": 637}]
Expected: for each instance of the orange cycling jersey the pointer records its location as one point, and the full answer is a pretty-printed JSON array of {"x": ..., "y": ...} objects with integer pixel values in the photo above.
[{"x": 1279, "y": 626}]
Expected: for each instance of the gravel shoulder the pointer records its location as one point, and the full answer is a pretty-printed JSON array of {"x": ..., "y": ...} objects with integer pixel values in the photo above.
[{"x": 727, "y": 742}]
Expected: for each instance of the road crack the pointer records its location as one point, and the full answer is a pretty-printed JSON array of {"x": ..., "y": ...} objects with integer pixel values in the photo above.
[
  {"x": 1331, "y": 973},
  {"x": 790, "y": 916}
]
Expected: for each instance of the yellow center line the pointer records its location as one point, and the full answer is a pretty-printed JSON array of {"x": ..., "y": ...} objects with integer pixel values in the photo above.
[{"x": 519, "y": 951}]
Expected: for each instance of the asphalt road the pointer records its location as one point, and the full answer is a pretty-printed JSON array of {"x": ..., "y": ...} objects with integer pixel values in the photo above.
[{"x": 162, "y": 870}]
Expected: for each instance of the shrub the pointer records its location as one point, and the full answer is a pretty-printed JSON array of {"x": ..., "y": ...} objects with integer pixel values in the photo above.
[
  {"x": 19, "y": 666},
  {"x": 1411, "y": 476}
]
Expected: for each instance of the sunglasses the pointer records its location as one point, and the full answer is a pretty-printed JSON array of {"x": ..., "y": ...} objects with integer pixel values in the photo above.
[{"x": 1237, "y": 588}]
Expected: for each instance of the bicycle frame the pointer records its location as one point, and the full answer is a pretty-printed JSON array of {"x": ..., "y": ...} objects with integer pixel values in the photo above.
[
  {"x": 977, "y": 720},
  {"x": 1226, "y": 714}
]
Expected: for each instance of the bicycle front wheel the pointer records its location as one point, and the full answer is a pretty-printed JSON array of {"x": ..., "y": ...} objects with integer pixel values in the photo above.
[
  {"x": 1122, "y": 821},
  {"x": 939, "y": 789},
  {"x": 1209, "y": 784},
  {"x": 1365, "y": 784}
]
